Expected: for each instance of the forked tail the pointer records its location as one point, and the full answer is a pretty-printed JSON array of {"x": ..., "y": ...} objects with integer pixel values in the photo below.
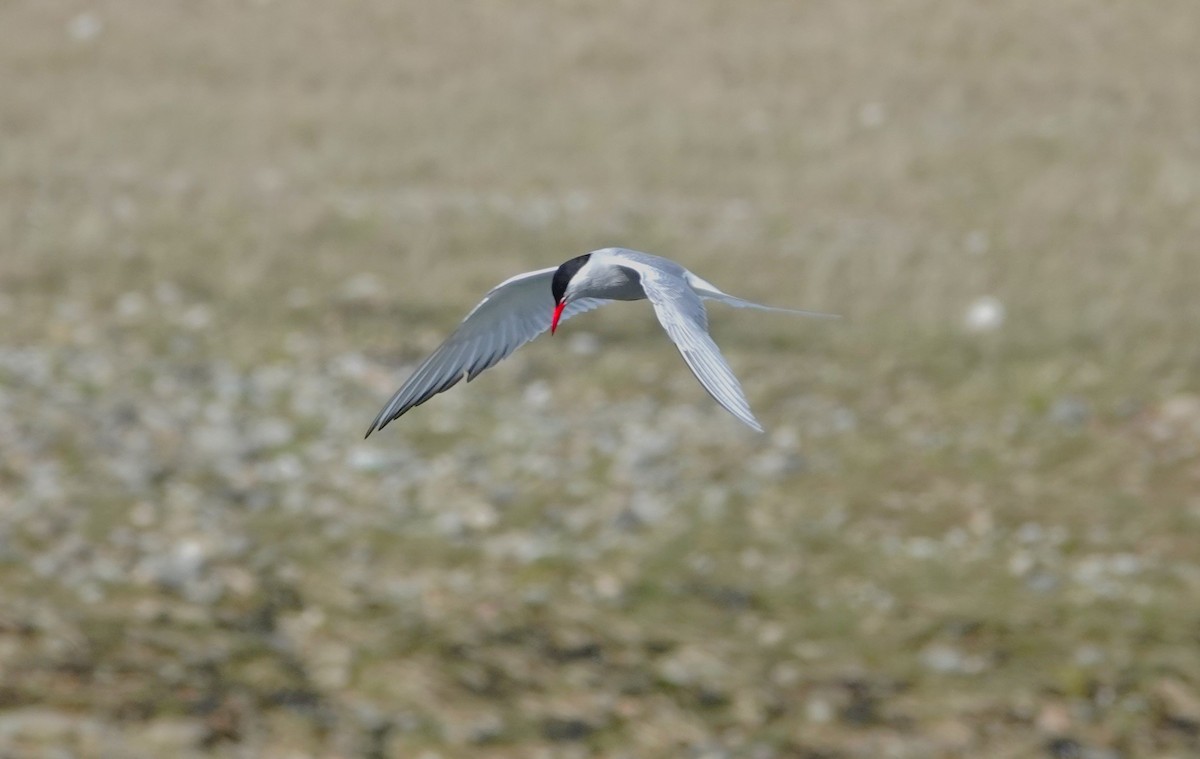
[{"x": 710, "y": 291}]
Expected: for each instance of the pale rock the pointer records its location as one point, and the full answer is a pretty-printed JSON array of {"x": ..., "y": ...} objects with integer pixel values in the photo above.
[{"x": 986, "y": 314}]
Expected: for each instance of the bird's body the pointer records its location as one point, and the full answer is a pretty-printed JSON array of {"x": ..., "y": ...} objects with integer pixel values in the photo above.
[{"x": 522, "y": 307}]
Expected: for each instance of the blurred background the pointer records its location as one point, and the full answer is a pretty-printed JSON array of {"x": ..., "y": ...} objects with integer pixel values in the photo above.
[{"x": 229, "y": 229}]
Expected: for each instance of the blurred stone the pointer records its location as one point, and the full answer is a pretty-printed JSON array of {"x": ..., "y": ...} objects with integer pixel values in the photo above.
[
  {"x": 476, "y": 729},
  {"x": 921, "y": 547},
  {"x": 1177, "y": 417},
  {"x": 480, "y": 515},
  {"x": 196, "y": 318},
  {"x": 1064, "y": 748},
  {"x": 284, "y": 468},
  {"x": 331, "y": 666},
  {"x": 863, "y": 707},
  {"x": 1178, "y": 701},
  {"x": 872, "y": 115},
  {"x": 786, "y": 674},
  {"x": 1029, "y": 533},
  {"x": 818, "y": 709},
  {"x": 560, "y": 729},
  {"x": 269, "y": 180},
  {"x": 365, "y": 459},
  {"x": 607, "y": 587},
  {"x": 728, "y": 597},
  {"x": 584, "y": 344},
  {"x": 709, "y": 751},
  {"x": 1053, "y": 718},
  {"x": 44, "y": 726},
  {"x": 948, "y": 660},
  {"x": 449, "y": 523},
  {"x": 775, "y": 464},
  {"x": 215, "y": 440},
  {"x": 691, "y": 665},
  {"x": 177, "y": 568},
  {"x": 986, "y": 314},
  {"x": 1042, "y": 581},
  {"x": 1125, "y": 564},
  {"x": 167, "y": 293},
  {"x": 89, "y": 592},
  {"x": 172, "y": 736},
  {"x": 843, "y": 420},
  {"x": 1089, "y": 656},
  {"x": 538, "y": 394},
  {"x": 131, "y": 305},
  {"x": 298, "y": 298},
  {"x": 763, "y": 750},
  {"x": 84, "y": 27},
  {"x": 365, "y": 286},
  {"x": 771, "y": 634},
  {"x": 952, "y": 734},
  {"x": 1070, "y": 412},
  {"x": 270, "y": 432},
  {"x": 648, "y": 507},
  {"x": 976, "y": 242},
  {"x": 627, "y": 521}
]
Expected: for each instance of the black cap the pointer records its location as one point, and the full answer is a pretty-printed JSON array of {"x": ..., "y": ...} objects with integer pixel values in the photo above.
[{"x": 561, "y": 277}]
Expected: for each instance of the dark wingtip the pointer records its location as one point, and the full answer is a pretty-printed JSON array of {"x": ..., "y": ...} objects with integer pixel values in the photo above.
[{"x": 375, "y": 425}]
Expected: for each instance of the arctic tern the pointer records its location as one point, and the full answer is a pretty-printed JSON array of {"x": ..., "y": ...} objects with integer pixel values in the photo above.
[{"x": 520, "y": 308}]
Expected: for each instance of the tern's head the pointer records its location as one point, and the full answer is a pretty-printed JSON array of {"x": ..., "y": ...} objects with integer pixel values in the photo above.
[{"x": 561, "y": 288}]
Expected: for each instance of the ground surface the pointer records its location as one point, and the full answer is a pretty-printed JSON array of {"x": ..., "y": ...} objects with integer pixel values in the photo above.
[{"x": 228, "y": 229}]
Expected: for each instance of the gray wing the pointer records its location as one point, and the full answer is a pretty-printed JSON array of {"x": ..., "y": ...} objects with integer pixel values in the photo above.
[
  {"x": 682, "y": 315},
  {"x": 510, "y": 315}
]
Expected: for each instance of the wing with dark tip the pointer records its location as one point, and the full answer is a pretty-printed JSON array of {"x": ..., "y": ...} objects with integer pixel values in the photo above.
[
  {"x": 510, "y": 315},
  {"x": 682, "y": 315}
]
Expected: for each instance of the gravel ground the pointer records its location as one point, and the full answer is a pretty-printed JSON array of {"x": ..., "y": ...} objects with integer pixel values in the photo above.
[{"x": 228, "y": 232}]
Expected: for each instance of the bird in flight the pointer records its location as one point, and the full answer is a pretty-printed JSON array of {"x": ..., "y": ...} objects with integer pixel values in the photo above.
[{"x": 522, "y": 307}]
